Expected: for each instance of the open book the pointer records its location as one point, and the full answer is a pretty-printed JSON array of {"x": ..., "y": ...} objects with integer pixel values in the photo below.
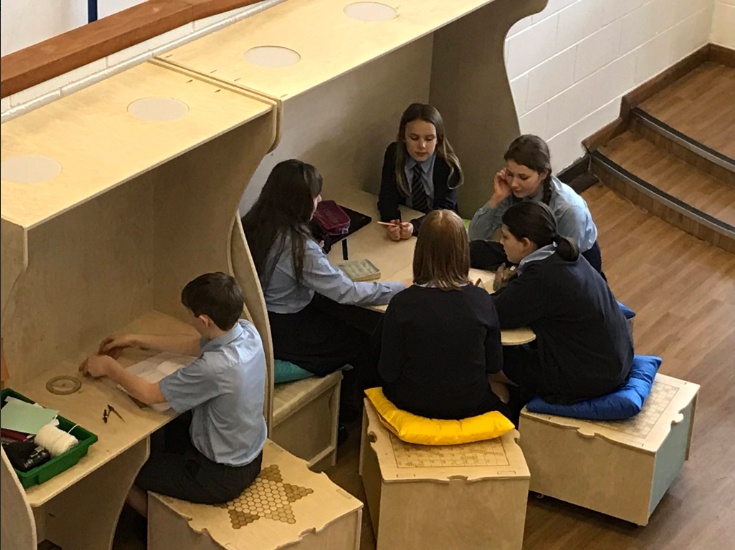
[{"x": 155, "y": 368}]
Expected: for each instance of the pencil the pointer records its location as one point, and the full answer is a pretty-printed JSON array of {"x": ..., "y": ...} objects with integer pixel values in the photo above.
[
  {"x": 478, "y": 282},
  {"x": 389, "y": 224}
]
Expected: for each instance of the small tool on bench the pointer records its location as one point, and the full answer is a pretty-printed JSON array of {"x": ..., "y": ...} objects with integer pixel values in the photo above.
[{"x": 112, "y": 409}]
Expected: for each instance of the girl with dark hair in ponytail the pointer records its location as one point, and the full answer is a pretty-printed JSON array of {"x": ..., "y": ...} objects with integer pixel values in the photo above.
[
  {"x": 527, "y": 177},
  {"x": 583, "y": 347}
]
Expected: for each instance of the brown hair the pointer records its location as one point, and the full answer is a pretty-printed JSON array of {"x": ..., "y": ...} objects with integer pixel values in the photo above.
[
  {"x": 283, "y": 210},
  {"x": 427, "y": 113},
  {"x": 532, "y": 152},
  {"x": 442, "y": 255}
]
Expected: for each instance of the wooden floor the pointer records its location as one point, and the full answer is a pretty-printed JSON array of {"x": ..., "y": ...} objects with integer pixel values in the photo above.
[
  {"x": 684, "y": 293},
  {"x": 701, "y": 105},
  {"x": 672, "y": 175}
]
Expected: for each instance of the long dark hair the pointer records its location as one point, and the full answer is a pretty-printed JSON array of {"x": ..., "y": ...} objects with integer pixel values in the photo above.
[
  {"x": 532, "y": 152},
  {"x": 442, "y": 255},
  {"x": 535, "y": 222},
  {"x": 282, "y": 211},
  {"x": 427, "y": 113}
]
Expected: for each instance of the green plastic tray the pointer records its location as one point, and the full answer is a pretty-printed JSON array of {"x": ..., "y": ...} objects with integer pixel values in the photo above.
[{"x": 55, "y": 466}]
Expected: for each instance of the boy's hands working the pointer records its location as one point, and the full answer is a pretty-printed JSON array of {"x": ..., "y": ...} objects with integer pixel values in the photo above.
[{"x": 97, "y": 366}]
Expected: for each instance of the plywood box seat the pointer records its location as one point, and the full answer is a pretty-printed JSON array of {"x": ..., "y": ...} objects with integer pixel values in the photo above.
[
  {"x": 619, "y": 468},
  {"x": 287, "y": 506},
  {"x": 305, "y": 418},
  {"x": 463, "y": 497}
]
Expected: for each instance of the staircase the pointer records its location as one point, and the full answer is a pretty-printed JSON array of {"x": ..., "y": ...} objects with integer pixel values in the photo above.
[{"x": 672, "y": 151}]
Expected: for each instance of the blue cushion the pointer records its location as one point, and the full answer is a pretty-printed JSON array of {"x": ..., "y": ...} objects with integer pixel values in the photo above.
[
  {"x": 285, "y": 371},
  {"x": 619, "y": 405},
  {"x": 627, "y": 312}
]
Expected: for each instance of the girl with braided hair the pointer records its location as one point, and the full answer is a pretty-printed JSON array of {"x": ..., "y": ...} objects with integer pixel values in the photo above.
[
  {"x": 527, "y": 177},
  {"x": 583, "y": 348}
]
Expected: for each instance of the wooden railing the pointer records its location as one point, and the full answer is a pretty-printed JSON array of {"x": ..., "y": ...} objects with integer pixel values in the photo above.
[{"x": 78, "y": 47}]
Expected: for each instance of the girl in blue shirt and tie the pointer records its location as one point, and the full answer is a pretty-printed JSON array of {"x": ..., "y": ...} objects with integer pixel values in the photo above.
[
  {"x": 527, "y": 176},
  {"x": 299, "y": 284},
  {"x": 420, "y": 170}
]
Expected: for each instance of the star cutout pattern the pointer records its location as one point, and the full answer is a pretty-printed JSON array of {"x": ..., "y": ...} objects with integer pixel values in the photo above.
[{"x": 268, "y": 497}]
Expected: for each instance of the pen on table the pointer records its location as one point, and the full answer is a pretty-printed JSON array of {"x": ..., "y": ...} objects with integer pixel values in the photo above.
[
  {"x": 478, "y": 282},
  {"x": 345, "y": 256}
]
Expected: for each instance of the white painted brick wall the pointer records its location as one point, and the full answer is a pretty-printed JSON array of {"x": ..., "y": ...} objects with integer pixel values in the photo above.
[
  {"x": 723, "y": 24},
  {"x": 570, "y": 64}
]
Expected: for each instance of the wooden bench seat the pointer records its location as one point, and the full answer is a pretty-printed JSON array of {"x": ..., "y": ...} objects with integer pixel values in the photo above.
[{"x": 305, "y": 418}]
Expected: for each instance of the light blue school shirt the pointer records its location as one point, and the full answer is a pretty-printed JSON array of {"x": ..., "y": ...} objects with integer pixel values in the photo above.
[
  {"x": 225, "y": 389},
  {"x": 284, "y": 295},
  {"x": 536, "y": 256},
  {"x": 427, "y": 177},
  {"x": 573, "y": 218}
]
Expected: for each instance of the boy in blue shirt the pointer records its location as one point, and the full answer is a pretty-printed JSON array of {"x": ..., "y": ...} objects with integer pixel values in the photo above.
[{"x": 224, "y": 389}]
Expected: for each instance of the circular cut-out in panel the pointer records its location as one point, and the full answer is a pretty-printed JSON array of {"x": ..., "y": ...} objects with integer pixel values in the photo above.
[
  {"x": 272, "y": 56},
  {"x": 370, "y": 11},
  {"x": 158, "y": 109},
  {"x": 30, "y": 168}
]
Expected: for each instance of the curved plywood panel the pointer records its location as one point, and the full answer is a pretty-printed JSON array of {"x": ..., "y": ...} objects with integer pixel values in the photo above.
[{"x": 459, "y": 67}]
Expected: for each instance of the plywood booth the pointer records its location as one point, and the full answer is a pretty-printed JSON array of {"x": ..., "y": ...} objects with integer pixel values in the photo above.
[{"x": 115, "y": 196}]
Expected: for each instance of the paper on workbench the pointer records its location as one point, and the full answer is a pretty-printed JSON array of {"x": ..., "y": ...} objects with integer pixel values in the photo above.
[{"x": 156, "y": 368}]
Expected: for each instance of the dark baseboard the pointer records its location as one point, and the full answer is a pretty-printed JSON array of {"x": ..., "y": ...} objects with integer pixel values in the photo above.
[
  {"x": 722, "y": 55},
  {"x": 578, "y": 175}
]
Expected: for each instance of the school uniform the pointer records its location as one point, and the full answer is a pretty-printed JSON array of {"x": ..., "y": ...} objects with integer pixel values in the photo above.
[
  {"x": 215, "y": 452},
  {"x": 303, "y": 328},
  {"x": 571, "y": 213},
  {"x": 437, "y": 350},
  {"x": 437, "y": 179},
  {"x": 583, "y": 347}
]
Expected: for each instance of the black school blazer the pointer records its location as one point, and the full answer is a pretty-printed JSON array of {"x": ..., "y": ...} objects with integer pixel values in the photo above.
[{"x": 389, "y": 197}]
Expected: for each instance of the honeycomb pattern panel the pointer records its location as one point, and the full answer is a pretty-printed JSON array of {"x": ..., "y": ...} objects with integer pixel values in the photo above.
[
  {"x": 268, "y": 497},
  {"x": 479, "y": 453}
]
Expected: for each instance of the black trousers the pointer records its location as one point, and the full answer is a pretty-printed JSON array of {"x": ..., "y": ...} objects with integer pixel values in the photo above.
[
  {"x": 177, "y": 469},
  {"x": 490, "y": 254}
]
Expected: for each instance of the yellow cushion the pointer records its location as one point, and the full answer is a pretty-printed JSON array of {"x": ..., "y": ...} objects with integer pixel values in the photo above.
[{"x": 430, "y": 431}]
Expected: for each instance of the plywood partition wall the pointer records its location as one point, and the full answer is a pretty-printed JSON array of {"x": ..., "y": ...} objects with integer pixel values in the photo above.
[
  {"x": 139, "y": 207},
  {"x": 344, "y": 81},
  {"x": 470, "y": 87}
]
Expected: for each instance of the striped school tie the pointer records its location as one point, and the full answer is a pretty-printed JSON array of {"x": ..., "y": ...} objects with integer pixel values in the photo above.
[{"x": 419, "y": 200}]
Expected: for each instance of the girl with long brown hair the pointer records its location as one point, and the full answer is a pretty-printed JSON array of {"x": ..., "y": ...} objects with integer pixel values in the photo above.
[{"x": 420, "y": 170}]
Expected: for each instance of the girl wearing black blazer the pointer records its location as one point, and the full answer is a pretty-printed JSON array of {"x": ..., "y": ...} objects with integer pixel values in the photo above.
[
  {"x": 420, "y": 170},
  {"x": 441, "y": 336},
  {"x": 583, "y": 348}
]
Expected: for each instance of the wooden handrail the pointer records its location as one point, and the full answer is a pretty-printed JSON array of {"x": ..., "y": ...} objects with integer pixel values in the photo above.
[{"x": 58, "y": 55}]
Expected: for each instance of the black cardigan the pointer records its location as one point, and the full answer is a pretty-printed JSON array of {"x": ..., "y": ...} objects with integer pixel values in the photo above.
[
  {"x": 437, "y": 348},
  {"x": 390, "y": 197},
  {"x": 585, "y": 348}
]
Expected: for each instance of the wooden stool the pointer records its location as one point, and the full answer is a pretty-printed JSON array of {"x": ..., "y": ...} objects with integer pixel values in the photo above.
[
  {"x": 619, "y": 468},
  {"x": 305, "y": 418},
  {"x": 287, "y": 506},
  {"x": 451, "y": 497}
]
